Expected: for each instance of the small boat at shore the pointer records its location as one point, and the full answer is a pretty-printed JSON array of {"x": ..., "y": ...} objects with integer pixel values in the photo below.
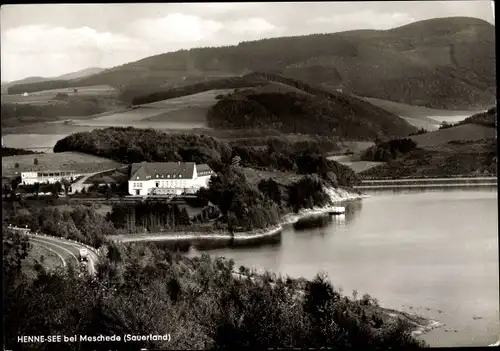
[{"x": 333, "y": 211}]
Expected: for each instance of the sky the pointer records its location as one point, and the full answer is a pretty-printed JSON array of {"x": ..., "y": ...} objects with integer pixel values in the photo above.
[{"x": 53, "y": 39}]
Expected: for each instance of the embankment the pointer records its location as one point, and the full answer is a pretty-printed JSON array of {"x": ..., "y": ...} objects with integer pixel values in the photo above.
[{"x": 259, "y": 236}]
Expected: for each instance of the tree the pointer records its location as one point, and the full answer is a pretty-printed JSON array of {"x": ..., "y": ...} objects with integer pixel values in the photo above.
[
  {"x": 36, "y": 189},
  {"x": 66, "y": 184}
]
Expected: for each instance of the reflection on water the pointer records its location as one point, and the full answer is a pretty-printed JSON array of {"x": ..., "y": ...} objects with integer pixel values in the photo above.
[{"x": 432, "y": 252}]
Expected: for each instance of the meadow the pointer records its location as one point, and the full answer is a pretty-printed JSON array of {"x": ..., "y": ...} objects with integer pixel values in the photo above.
[
  {"x": 466, "y": 132},
  {"x": 185, "y": 112},
  {"x": 64, "y": 161},
  {"x": 47, "y": 96}
]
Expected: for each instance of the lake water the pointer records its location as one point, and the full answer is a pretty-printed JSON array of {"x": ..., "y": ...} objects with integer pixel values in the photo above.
[{"x": 431, "y": 252}]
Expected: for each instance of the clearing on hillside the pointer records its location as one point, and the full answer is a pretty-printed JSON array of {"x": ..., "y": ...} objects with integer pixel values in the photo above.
[
  {"x": 46, "y": 96},
  {"x": 70, "y": 161},
  {"x": 186, "y": 112},
  {"x": 465, "y": 132}
]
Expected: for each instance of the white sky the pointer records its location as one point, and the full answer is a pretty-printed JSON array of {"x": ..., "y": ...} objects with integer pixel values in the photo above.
[{"x": 50, "y": 40}]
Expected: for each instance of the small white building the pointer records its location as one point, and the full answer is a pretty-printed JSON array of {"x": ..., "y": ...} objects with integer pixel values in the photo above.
[
  {"x": 168, "y": 178},
  {"x": 32, "y": 177}
]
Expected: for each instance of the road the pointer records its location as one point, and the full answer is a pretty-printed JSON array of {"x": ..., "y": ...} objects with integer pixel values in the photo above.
[
  {"x": 80, "y": 183},
  {"x": 67, "y": 251}
]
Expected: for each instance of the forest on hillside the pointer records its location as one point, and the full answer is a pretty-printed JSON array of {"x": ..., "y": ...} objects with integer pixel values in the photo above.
[
  {"x": 447, "y": 68},
  {"x": 129, "y": 145},
  {"x": 200, "y": 302}
]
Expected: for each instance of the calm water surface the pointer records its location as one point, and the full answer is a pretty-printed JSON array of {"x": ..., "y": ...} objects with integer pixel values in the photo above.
[{"x": 433, "y": 252}]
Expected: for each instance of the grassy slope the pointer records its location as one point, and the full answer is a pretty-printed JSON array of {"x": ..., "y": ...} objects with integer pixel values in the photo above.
[
  {"x": 61, "y": 161},
  {"x": 468, "y": 160},
  {"x": 465, "y": 132},
  {"x": 441, "y": 63},
  {"x": 467, "y": 149},
  {"x": 39, "y": 254}
]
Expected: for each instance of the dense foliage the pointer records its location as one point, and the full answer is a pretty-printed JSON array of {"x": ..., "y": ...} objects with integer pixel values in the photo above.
[
  {"x": 200, "y": 302},
  {"x": 15, "y": 114},
  {"x": 389, "y": 150},
  {"x": 78, "y": 222},
  {"x": 38, "y": 86},
  {"x": 137, "y": 96},
  {"x": 11, "y": 151},
  {"x": 129, "y": 145},
  {"x": 152, "y": 216},
  {"x": 301, "y": 161},
  {"x": 309, "y": 111},
  {"x": 452, "y": 66},
  {"x": 241, "y": 204}
]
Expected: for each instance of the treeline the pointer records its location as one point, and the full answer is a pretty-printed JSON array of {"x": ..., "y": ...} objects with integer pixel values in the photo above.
[
  {"x": 11, "y": 151},
  {"x": 323, "y": 113},
  {"x": 15, "y": 114},
  {"x": 38, "y": 86},
  {"x": 128, "y": 145},
  {"x": 153, "y": 216},
  {"x": 389, "y": 150},
  {"x": 142, "y": 290},
  {"x": 488, "y": 118},
  {"x": 225, "y": 83},
  {"x": 295, "y": 143},
  {"x": 302, "y": 161},
  {"x": 246, "y": 207},
  {"x": 78, "y": 222},
  {"x": 457, "y": 160},
  {"x": 243, "y": 206}
]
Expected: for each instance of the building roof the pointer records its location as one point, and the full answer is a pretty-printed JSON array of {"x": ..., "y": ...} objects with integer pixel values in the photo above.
[
  {"x": 49, "y": 171},
  {"x": 203, "y": 168},
  {"x": 162, "y": 170}
]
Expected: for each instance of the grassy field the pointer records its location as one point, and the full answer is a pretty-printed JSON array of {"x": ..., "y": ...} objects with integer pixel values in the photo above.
[
  {"x": 47, "y": 96},
  {"x": 36, "y": 142},
  {"x": 466, "y": 132},
  {"x": 41, "y": 255},
  {"x": 73, "y": 161},
  {"x": 185, "y": 112}
]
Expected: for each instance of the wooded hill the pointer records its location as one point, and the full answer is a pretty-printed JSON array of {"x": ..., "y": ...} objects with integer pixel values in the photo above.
[
  {"x": 440, "y": 63},
  {"x": 296, "y": 107}
]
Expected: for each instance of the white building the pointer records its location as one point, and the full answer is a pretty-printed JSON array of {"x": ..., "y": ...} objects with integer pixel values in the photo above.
[
  {"x": 168, "y": 178},
  {"x": 32, "y": 177}
]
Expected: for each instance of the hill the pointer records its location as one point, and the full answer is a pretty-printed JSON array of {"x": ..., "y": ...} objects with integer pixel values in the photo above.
[
  {"x": 487, "y": 118},
  {"x": 16, "y": 87},
  {"x": 290, "y": 106},
  {"x": 472, "y": 159},
  {"x": 461, "y": 133},
  {"x": 439, "y": 63}
]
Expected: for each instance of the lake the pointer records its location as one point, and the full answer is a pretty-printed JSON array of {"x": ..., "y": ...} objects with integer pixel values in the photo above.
[{"x": 430, "y": 252}]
